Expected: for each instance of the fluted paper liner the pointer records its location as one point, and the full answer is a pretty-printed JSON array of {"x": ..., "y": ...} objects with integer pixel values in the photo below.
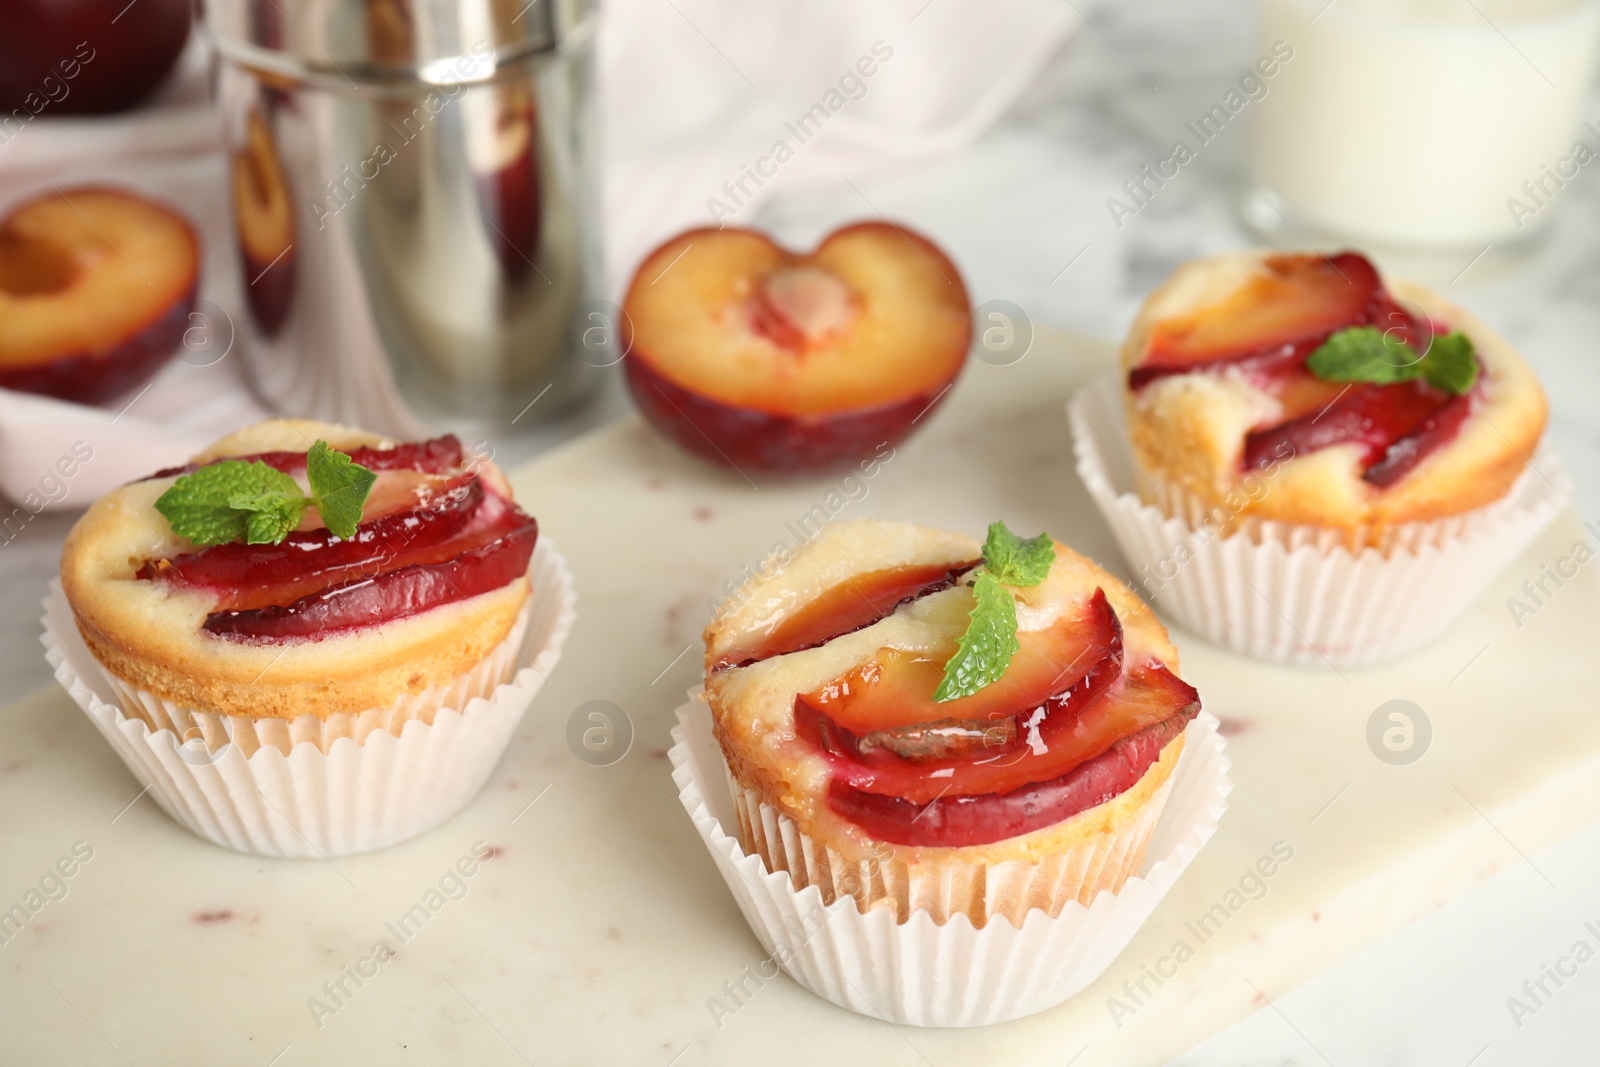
[
  {"x": 1297, "y": 594},
  {"x": 316, "y": 788},
  {"x": 923, "y": 972},
  {"x": 980, "y": 891}
]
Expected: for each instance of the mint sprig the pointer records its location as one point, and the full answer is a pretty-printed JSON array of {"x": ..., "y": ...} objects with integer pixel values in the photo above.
[
  {"x": 1368, "y": 354},
  {"x": 246, "y": 500},
  {"x": 985, "y": 650},
  {"x": 1015, "y": 561}
]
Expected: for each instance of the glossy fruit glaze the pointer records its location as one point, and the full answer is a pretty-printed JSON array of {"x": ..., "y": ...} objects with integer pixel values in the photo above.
[
  {"x": 434, "y": 534},
  {"x": 958, "y": 820},
  {"x": 1267, "y": 330},
  {"x": 1069, "y": 725}
]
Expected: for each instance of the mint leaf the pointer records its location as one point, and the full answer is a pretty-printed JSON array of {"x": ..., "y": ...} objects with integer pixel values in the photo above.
[
  {"x": 200, "y": 505},
  {"x": 1451, "y": 364},
  {"x": 985, "y": 650},
  {"x": 1364, "y": 354},
  {"x": 339, "y": 487},
  {"x": 1015, "y": 561},
  {"x": 271, "y": 516}
]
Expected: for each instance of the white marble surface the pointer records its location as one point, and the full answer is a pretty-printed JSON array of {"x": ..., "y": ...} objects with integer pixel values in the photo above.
[
  {"x": 597, "y": 930},
  {"x": 1029, "y": 201}
]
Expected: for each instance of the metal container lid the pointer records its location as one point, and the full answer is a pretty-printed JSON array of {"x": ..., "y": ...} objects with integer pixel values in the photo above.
[{"x": 377, "y": 47}]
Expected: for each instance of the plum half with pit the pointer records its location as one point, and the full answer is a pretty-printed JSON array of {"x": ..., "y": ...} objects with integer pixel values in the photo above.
[
  {"x": 96, "y": 288},
  {"x": 759, "y": 358}
]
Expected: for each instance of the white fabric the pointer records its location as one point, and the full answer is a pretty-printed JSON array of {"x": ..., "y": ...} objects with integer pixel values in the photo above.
[{"x": 693, "y": 94}]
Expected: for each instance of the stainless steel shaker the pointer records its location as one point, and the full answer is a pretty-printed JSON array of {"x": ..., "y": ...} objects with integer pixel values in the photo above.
[{"x": 413, "y": 191}]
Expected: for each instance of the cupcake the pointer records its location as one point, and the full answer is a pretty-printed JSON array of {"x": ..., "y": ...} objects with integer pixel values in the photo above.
[
  {"x": 307, "y": 593},
  {"x": 1354, "y": 453},
  {"x": 1362, "y": 407},
  {"x": 915, "y": 709},
  {"x": 956, "y": 779}
]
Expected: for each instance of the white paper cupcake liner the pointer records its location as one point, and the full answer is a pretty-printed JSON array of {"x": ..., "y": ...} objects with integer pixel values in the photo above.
[
  {"x": 310, "y": 788},
  {"x": 926, "y": 973},
  {"x": 216, "y": 730},
  {"x": 980, "y": 891},
  {"x": 1296, "y": 594}
]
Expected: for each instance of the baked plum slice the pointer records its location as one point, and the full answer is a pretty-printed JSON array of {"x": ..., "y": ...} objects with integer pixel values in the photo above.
[
  {"x": 853, "y": 604},
  {"x": 242, "y": 577},
  {"x": 1069, "y": 725},
  {"x": 1273, "y": 323},
  {"x": 954, "y": 820},
  {"x": 1269, "y": 327},
  {"x": 1397, "y": 426},
  {"x": 1403, "y": 454},
  {"x": 883, "y": 715},
  {"x": 440, "y": 455},
  {"x": 490, "y": 553}
]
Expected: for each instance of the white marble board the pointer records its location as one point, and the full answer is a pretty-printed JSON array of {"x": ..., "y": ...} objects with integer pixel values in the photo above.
[{"x": 599, "y": 931}]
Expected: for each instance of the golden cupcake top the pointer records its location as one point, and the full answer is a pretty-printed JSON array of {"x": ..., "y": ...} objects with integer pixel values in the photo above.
[
  {"x": 1310, "y": 389},
  {"x": 894, "y": 684},
  {"x": 299, "y": 567}
]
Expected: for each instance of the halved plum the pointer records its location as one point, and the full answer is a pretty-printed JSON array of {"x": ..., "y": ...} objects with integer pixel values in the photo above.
[
  {"x": 86, "y": 57},
  {"x": 96, "y": 287},
  {"x": 852, "y": 605},
  {"x": 243, "y": 576},
  {"x": 750, "y": 355},
  {"x": 490, "y": 553}
]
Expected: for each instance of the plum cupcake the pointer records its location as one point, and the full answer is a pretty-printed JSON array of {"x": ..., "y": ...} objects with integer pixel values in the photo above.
[
  {"x": 1326, "y": 466},
  {"x": 950, "y": 743},
  {"x": 310, "y": 640}
]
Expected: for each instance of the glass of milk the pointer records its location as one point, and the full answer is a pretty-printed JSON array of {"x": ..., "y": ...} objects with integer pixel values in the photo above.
[{"x": 1429, "y": 124}]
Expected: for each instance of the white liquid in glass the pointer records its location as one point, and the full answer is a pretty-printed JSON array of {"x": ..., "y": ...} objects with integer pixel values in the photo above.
[{"x": 1417, "y": 122}]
